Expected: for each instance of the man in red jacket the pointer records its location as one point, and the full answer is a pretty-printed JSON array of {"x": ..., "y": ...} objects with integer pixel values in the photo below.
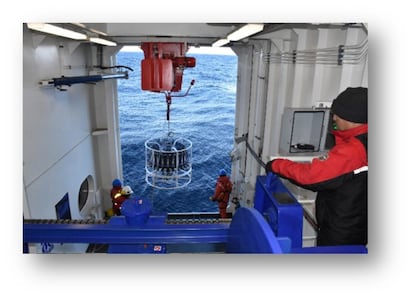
[
  {"x": 341, "y": 176},
  {"x": 222, "y": 193}
]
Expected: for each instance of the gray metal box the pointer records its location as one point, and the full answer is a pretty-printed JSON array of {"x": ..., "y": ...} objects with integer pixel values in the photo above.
[{"x": 303, "y": 131}]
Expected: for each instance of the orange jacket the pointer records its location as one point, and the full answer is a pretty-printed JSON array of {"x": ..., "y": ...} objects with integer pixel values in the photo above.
[
  {"x": 117, "y": 199},
  {"x": 222, "y": 191}
]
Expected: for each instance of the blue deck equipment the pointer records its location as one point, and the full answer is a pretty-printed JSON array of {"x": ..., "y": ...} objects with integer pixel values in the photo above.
[
  {"x": 274, "y": 225},
  {"x": 280, "y": 208}
]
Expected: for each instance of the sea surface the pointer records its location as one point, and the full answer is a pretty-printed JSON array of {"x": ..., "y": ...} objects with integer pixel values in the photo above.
[{"x": 205, "y": 117}]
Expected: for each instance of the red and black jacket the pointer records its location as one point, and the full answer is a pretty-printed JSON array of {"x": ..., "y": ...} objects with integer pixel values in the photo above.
[{"x": 341, "y": 180}]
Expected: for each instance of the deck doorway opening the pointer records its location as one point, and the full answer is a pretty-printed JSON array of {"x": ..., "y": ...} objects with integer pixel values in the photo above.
[{"x": 202, "y": 122}]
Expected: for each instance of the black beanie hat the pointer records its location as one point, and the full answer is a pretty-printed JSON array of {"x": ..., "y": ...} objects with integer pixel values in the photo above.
[{"x": 352, "y": 105}]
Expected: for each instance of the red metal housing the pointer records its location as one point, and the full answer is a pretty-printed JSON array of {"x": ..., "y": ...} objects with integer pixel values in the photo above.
[{"x": 163, "y": 66}]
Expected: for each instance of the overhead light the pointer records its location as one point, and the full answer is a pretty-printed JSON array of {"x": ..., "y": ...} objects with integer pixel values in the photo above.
[
  {"x": 56, "y": 30},
  {"x": 102, "y": 41},
  {"x": 245, "y": 31},
  {"x": 239, "y": 34},
  {"x": 220, "y": 43}
]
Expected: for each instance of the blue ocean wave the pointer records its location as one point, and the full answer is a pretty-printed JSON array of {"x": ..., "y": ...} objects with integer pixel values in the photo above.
[{"x": 205, "y": 117}]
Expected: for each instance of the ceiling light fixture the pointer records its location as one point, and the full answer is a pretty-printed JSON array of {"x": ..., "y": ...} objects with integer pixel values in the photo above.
[
  {"x": 245, "y": 31},
  {"x": 102, "y": 41},
  {"x": 220, "y": 43},
  {"x": 241, "y": 33},
  {"x": 56, "y": 30}
]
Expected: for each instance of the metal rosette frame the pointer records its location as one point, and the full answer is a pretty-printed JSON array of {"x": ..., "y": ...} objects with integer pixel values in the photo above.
[{"x": 168, "y": 162}]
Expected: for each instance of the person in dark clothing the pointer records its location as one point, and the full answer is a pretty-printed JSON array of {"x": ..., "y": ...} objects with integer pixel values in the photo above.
[
  {"x": 340, "y": 177},
  {"x": 222, "y": 192}
]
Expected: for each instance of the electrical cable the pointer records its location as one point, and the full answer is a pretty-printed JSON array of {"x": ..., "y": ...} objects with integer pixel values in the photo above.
[
  {"x": 306, "y": 215},
  {"x": 115, "y": 67}
]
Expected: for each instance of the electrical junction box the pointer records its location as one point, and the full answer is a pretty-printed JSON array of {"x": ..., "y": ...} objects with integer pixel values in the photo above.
[{"x": 304, "y": 131}]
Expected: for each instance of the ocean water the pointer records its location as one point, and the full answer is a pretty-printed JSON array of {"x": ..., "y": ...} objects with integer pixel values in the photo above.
[{"x": 205, "y": 117}]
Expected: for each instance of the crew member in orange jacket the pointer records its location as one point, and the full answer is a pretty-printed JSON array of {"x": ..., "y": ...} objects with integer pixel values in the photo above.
[
  {"x": 126, "y": 192},
  {"x": 222, "y": 192},
  {"x": 119, "y": 194},
  {"x": 341, "y": 176},
  {"x": 116, "y": 194}
]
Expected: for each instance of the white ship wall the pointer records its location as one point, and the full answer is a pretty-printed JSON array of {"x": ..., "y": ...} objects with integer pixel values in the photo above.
[{"x": 60, "y": 150}]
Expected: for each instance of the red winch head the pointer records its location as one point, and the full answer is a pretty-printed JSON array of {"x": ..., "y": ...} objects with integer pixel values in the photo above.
[{"x": 163, "y": 66}]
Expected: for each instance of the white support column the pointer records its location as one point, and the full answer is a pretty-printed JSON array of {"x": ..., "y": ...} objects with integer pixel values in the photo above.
[
  {"x": 274, "y": 105},
  {"x": 304, "y": 73},
  {"x": 354, "y": 74},
  {"x": 319, "y": 75},
  {"x": 108, "y": 146},
  {"x": 244, "y": 71}
]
